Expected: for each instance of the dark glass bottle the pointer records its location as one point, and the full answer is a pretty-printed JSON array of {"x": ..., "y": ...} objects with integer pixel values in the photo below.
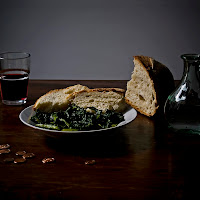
[{"x": 182, "y": 108}]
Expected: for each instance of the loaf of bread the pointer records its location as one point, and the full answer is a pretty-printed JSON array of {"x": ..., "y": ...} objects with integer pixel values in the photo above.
[
  {"x": 101, "y": 98},
  {"x": 151, "y": 83},
  {"x": 58, "y": 99}
]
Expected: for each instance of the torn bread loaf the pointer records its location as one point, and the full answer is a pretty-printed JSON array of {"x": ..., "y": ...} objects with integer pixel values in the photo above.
[
  {"x": 58, "y": 99},
  {"x": 101, "y": 98},
  {"x": 151, "y": 83}
]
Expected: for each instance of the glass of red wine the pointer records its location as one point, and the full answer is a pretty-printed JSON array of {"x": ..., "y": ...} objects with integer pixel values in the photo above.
[{"x": 14, "y": 77}]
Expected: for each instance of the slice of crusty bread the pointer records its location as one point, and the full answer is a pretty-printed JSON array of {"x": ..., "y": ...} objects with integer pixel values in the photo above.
[
  {"x": 58, "y": 99},
  {"x": 151, "y": 83},
  {"x": 101, "y": 98}
]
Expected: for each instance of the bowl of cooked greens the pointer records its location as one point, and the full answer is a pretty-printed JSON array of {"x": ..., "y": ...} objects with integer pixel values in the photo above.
[{"x": 76, "y": 119}]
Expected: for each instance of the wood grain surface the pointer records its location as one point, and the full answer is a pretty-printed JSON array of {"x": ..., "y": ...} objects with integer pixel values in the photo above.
[{"x": 141, "y": 160}]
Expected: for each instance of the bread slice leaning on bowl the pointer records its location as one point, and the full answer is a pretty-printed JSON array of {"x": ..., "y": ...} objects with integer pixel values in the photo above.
[{"x": 151, "y": 83}]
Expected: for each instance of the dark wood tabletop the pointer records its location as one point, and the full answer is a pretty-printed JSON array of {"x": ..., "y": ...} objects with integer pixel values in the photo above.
[{"x": 141, "y": 160}]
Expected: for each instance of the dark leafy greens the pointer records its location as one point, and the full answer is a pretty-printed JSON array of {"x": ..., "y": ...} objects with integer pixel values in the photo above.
[{"x": 77, "y": 118}]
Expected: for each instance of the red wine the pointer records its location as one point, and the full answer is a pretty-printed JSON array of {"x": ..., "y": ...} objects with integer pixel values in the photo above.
[{"x": 14, "y": 86}]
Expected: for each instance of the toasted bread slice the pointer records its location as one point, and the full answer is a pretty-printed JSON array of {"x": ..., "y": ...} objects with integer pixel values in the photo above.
[
  {"x": 57, "y": 99},
  {"x": 101, "y": 98}
]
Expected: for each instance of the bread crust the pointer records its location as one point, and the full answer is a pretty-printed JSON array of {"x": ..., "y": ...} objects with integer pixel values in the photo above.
[
  {"x": 118, "y": 90},
  {"x": 161, "y": 78}
]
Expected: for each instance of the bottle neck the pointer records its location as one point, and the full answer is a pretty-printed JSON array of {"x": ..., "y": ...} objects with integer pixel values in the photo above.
[
  {"x": 192, "y": 71},
  {"x": 191, "y": 74}
]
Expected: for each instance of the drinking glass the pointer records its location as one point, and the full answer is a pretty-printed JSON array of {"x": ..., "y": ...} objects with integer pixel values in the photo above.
[{"x": 14, "y": 77}]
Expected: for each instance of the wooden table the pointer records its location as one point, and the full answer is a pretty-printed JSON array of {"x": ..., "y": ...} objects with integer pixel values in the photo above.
[{"x": 142, "y": 160}]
